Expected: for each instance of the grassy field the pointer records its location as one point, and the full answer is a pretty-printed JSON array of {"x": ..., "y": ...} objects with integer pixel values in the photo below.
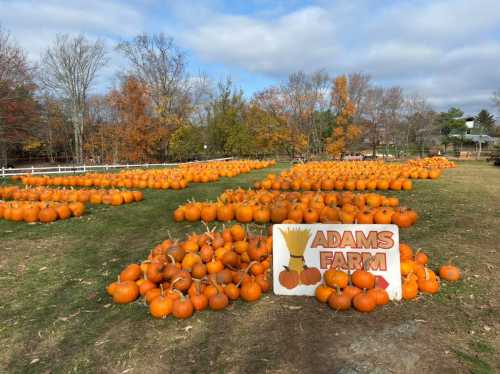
[{"x": 55, "y": 316}]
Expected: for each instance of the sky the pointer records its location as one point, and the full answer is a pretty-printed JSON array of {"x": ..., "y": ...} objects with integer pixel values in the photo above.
[{"x": 445, "y": 50}]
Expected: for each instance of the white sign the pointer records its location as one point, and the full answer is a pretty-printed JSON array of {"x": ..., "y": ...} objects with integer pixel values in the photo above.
[{"x": 302, "y": 253}]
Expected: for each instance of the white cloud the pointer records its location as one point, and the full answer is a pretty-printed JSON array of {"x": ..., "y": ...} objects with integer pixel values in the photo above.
[
  {"x": 35, "y": 23},
  {"x": 443, "y": 48},
  {"x": 294, "y": 41}
]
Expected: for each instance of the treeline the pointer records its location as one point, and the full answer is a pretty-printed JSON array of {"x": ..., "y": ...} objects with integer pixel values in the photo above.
[{"x": 156, "y": 111}]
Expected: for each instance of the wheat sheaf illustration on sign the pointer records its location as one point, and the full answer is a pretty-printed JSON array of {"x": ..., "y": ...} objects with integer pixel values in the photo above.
[{"x": 297, "y": 272}]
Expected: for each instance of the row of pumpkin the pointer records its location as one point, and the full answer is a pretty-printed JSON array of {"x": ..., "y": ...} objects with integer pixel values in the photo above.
[
  {"x": 164, "y": 178},
  {"x": 48, "y": 205},
  {"x": 91, "y": 196},
  {"x": 264, "y": 207},
  {"x": 354, "y": 175},
  {"x": 44, "y": 212}
]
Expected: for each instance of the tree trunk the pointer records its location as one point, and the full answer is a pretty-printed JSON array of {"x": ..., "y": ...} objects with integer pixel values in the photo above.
[
  {"x": 80, "y": 133},
  {"x": 77, "y": 119},
  {"x": 3, "y": 148},
  {"x": 77, "y": 143},
  {"x": 3, "y": 153},
  {"x": 479, "y": 149},
  {"x": 50, "y": 148},
  {"x": 76, "y": 137}
]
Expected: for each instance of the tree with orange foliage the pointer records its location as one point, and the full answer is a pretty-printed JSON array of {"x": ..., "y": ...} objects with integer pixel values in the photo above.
[
  {"x": 345, "y": 132},
  {"x": 138, "y": 134}
]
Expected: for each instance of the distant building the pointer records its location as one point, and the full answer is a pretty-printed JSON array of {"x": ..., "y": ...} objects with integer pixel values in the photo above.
[
  {"x": 470, "y": 124},
  {"x": 473, "y": 134}
]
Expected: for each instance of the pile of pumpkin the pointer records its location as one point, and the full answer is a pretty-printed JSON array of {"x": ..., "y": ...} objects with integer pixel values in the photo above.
[
  {"x": 262, "y": 207},
  {"x": 351, "y": 176},
  {"x": 44, "y": 212},
  {"x": 436, "y": 162},
  {"x": 343, "y": 290},
  {"x": 205, "y": 271},
  {"x": 166, "y": 178},
  {"x": 94, "y": 196}
]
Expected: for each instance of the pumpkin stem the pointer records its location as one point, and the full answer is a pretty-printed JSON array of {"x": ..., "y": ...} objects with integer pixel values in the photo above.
[
  {"x": 197, "y": 282},
  {"x": 408, "y": 276},
  {"x": 349, "y": 282},
  {"x": 171, "y": 258},
  {"x": 175, "y": 281},
  {"x": 416, "y": 253},
  {"x": 215, "y": 284},
  {"x": 231, "y": 267},
  {"x": 180, "y": 294},
  {"x": 246, "y": 271}
]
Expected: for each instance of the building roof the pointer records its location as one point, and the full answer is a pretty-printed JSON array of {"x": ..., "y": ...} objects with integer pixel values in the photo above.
[{"x": 479, "y": 138}]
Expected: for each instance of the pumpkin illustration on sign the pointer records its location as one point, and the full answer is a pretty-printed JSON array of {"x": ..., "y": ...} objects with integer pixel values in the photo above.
[{"x": 297, "y": 272}]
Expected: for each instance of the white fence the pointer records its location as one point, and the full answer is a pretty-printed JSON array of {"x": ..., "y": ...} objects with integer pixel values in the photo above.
[{"x": 8, "y": 172}]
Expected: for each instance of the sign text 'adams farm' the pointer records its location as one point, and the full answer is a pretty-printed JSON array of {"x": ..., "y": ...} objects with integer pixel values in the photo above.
[{"x": 302, "y": 253}]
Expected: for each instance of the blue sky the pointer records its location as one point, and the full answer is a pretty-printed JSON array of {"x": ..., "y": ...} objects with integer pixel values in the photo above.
[{"x": 445, "y": 50}]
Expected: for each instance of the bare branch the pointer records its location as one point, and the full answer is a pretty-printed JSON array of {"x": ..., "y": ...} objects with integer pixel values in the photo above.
[{"x": 70, "y": 68}]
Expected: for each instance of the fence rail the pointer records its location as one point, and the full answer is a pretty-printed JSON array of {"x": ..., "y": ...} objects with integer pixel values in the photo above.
[{"x": 8, "y": 172}]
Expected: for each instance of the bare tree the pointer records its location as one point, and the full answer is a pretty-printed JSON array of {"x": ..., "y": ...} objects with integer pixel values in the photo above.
[
  {"x": 496, "y": 99},
  {"x": 421, "y": 121},
  {"x": 374, "y": 115},
  {"x": 13, "y": 65},
  {"x": 392, "y": 106},
  {"x": 320, "y": 85},
  {"x": 359, "y": 84},
  {"x": 294, "y": 92},
  {"x": 158, "y": 62},
  {"x": 69, "y": 67}
]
